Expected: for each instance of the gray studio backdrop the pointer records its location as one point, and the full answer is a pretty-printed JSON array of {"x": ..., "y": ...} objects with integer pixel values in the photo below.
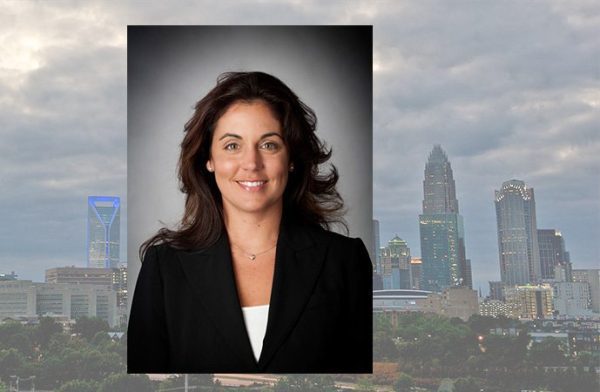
[{"x": 171, "y": 67}]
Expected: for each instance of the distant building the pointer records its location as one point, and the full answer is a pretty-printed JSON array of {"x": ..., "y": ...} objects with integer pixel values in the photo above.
[
  {"x": 553, "y": 254},
  {"x": 119, "y": 276},
  {"x": 584, "y": 341},
  {"x": 377, "y": 281},
  {"x": 572, "y": 299},
  {"x": 376, "y": 245},
  {"x": 534, "y": 302},
  {"x": 496, "y": 308},
  {"x": 25, "y": 299},
  {"x": 80, "y": 275},
  {"x": 11, "y": 276},
  {"x": 454, "y": 301},
  {"x": 116, "y": 278},
  {"x": 517, "y": 234},
  {"x": 17, "y": 299},
  {"x": 563, "y": 273},
  {"x": 592, "y": 278},
  {"x": 441, "y": 228},
  {"x": 415, "y": 272},
  {"x": 396, "y": 265},
  {"x": 103, "y": 231},
  {"x": 398, "y": 300},
  {"x": 497, "y": 290}
]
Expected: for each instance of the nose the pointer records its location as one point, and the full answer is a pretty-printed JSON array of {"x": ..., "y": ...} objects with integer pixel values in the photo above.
[{"x": 252, "y": 160}]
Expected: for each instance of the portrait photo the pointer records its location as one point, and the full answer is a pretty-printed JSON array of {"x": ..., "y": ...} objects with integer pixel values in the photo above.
[{"x": 249, "y": 181}]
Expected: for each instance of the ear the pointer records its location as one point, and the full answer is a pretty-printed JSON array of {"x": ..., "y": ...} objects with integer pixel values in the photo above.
[{"x": 209, "y": 166}]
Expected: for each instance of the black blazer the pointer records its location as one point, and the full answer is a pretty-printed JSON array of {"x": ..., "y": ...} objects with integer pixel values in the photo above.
[{"x": 186, "y": 316}]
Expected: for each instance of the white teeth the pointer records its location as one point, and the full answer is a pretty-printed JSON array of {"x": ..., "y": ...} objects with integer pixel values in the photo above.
[{"x": 252, "y": 183}]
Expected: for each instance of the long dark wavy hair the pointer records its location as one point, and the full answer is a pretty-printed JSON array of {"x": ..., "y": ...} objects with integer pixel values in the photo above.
[{"x": 310, "y": 196}]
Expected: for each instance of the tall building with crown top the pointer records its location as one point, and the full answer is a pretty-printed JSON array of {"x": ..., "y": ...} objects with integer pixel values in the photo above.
[
  {"x": 519, "y": 252},
  {"x": 444, "y": 262},
  {"x": 103, "y": 231}
]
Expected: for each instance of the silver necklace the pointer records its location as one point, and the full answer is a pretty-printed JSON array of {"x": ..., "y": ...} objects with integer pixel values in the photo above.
[{"x": 252, "y": 256}]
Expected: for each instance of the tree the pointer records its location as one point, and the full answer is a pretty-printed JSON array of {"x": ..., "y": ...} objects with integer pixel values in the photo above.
[
  {"x": 303, "y": 382},
  {"x": 11, "y": 362},
  {"x": 79, "y": 386},
  {"x": 548, "y": 352},
  {"x": 384, "y": 348},
  {"x": 126, "y": 383},
  {"x": 466, "y": 385},
  {"x": 404, "y": 383},
  {"x": 45, "y": 330},
  {"x": 365, "y": 384},
  {"x": 88, "y": 327},
  {"x": 21, "y": 342}
]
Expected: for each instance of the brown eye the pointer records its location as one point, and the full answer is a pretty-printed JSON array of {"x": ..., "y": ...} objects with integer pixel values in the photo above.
[
  {"x": 270, "y": 146},
  {"x": 232, "y": 146}
]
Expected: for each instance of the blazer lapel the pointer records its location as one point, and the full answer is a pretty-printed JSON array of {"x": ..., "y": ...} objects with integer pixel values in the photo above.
[
  {"x": 211, "y": 278},
  {"x": 298, "y": 263}
]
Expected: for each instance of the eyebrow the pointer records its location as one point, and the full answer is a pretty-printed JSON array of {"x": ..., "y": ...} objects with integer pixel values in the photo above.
[{"x": 236, "y": 136}]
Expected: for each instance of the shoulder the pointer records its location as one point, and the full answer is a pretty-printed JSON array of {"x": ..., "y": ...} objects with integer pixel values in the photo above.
[
  {"x": 159, "y": 252},
  {"x": 334, "y": 239},
  {"x": 336, "y": 246}
]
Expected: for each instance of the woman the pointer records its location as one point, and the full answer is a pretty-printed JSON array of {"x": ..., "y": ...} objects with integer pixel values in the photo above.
[{"x": 252, "y": 281}]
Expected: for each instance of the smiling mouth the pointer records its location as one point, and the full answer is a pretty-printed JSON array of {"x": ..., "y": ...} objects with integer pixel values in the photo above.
[{"x": 252, "y": 185}]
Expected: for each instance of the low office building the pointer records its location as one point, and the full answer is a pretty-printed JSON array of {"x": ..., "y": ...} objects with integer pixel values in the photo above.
[
  {"x": 455, "y": 301},
  {"x": 24, "y": 299},
  {"x": 495, "y": 308},
  {"x": 572, "y": 299},
  {"x": 17, "y": 299},
  {"x": 592, "y": 278},
  {"x": 533, "y": 302}
]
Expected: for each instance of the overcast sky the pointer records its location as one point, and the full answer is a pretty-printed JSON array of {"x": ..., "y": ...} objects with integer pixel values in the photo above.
[{"x": 509, "y": 89}]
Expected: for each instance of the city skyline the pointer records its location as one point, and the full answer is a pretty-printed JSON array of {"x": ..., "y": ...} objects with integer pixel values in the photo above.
[{"x": 509, "y": 89}]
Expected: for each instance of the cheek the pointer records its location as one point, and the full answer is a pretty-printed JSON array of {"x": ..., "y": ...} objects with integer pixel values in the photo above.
[{"x": 225, "y": 167}]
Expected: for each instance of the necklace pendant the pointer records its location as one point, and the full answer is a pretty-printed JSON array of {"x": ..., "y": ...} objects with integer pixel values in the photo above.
[{"x": 252, "y": 257}]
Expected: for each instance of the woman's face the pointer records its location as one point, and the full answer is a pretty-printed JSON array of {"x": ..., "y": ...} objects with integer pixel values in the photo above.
[{"x": 249, "y": 159}]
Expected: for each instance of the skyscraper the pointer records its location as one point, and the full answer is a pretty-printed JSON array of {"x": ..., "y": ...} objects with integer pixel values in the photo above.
[
  {"x": 375, "y": 256},
  {"x": 103, "y": 231},
  {"x": 396, "y": 265},
  {"x": 553, "y": 254},
  {"x": 444, "y": 262},
  {"x": 517, "y": 234}
]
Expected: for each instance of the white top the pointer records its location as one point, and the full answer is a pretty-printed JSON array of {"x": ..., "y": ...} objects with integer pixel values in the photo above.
[{"x": 255, "y": 318}]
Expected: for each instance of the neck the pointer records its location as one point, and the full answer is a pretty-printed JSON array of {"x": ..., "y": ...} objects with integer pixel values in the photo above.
[{"x": 263, "y": 229}]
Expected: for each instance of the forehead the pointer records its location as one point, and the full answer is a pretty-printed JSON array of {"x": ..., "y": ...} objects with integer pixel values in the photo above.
[{"x": 242, "y": 117}]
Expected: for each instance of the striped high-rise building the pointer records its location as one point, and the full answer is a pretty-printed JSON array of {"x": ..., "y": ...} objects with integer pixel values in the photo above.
[{"x": 517, "y": 234}]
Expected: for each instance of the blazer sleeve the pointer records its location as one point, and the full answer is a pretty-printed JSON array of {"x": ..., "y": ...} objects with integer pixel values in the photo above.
[
  {"x": 361, "y": 317},
  {"x": 147, "y": 344}
]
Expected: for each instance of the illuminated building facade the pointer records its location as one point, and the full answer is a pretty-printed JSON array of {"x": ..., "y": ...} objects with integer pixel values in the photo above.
[
  {"x": 533, "y": 302},
  {"x": 517, "y": 234},
  {"x": 553, "y": 254},
  {"x": 103, "y": 231},
  {"x": 396, "y": 265}
]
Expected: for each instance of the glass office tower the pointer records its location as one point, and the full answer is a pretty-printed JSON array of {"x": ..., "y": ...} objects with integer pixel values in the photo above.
[
  {"x": 553, "y": 254},
  {"x": 517, "y": 234},
  {"x": 443, "y": 256},
  {"x": 103, "y": 231}
]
